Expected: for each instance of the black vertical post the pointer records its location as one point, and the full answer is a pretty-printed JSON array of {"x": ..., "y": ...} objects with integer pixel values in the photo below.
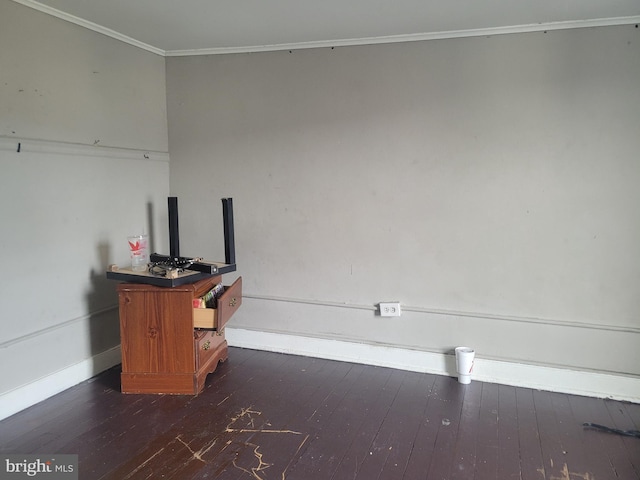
[
  {"x": 174, "y": 235},
  {"x": 229, "y": 240}
]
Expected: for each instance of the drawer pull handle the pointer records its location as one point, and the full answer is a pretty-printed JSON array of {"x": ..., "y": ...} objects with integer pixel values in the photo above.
[
  {"x": 206, "y": 345},
  {"x": 232, "y": 302}
]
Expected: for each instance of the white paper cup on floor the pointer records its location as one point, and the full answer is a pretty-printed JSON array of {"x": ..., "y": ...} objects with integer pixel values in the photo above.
[{"x": 464, "y": 363}]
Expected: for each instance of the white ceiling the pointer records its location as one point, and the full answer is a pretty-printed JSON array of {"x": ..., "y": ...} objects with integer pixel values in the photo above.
[{"x": 179, "y": 27}]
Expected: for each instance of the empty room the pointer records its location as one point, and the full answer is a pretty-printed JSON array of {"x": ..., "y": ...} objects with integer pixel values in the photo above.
[{"x": 380, "y": 240}]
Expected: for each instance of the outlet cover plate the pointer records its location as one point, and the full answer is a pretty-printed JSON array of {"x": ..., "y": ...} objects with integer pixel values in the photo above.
[{"x": 390, "y": 309}]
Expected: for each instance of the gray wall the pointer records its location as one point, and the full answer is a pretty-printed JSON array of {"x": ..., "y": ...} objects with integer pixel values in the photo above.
[
  {"x": 489, "y": 184},
  {"x": 86, "y": 110}
]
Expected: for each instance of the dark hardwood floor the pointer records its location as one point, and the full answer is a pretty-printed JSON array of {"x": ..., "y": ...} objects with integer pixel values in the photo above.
[{"x": 272, "y": 416}]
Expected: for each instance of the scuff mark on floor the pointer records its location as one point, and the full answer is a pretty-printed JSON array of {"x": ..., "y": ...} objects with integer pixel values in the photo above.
[
  {"x": 197, "y": 455},
  {"x": 565, "y": 474},
  {"x": 255, "y": 471},
  {"x": 294, "y": 456},
  {"x": 247, "y": 413},
  {"x": 142, "y": 465},
  {"x": 256, "y": 464}
]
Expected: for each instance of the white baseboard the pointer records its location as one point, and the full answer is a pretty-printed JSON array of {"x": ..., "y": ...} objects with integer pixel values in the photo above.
[
  {"x": 554, "y": 379},
  {"x": 18, "y": 399},
  {"x": 593, "y": 384}
]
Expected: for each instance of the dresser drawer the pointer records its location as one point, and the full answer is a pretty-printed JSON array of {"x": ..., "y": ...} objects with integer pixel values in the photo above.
[
  {"x": 206, "y": 343},
  {"x": 216, "y": 318}
]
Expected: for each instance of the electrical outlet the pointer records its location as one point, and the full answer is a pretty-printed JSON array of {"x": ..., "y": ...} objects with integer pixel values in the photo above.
[{"x": 390, "y": 309}]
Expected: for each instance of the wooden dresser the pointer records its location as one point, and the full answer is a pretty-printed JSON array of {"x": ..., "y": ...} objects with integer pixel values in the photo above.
[{"x": 168, "y": 346}]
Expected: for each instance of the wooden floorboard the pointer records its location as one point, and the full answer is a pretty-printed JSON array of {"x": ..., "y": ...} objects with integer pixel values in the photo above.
[
  {"x": 423, "y": 446},
  {"x": 529, "y": 439},
  {"x": 265, "y": 416},
  {"x": 488, "y": 444},
  {"x": 445, "y": 412},
  {"x": 624, "y": 416},
  {"x": 607, "y": 451},
  {"x": 401, "y": 427},
  {"x": 547, "y": 426},
  {"x": 465, "y": 454},
  {"x": 336, "y": 450},
  {"x": 509, "y": 452}
]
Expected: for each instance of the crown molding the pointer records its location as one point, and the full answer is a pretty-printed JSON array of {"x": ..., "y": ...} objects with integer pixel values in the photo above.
[
  {"x": 90, "y": 25},
  {"x": 414, "y": 37}
]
